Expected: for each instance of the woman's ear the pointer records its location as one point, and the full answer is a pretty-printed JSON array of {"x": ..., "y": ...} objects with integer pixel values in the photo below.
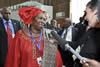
[{"x": 96, "y": 11}]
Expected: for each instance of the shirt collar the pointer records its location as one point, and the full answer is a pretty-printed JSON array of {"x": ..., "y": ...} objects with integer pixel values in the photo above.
[{"x": 6, "y": 21}]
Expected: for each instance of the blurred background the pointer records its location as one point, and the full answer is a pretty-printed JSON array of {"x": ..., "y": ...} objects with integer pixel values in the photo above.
[{"x": 57, "y": 9}]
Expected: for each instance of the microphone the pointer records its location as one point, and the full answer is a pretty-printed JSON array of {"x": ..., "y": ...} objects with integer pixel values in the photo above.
[{"x": 65, "y": 45}]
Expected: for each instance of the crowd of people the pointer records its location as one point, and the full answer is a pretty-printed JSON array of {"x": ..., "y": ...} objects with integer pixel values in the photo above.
[{"x": 30, "y": 47}]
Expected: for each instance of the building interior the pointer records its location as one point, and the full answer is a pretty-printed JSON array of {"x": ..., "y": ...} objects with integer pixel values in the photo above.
[{"x": 58, "y": 8}]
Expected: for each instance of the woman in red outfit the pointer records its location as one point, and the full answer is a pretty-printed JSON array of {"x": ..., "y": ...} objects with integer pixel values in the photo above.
[{"x": 28, "y": 48}]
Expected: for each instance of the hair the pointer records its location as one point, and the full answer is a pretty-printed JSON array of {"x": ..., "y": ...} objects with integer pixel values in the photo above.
[
  {"x": 68, "y": 20},
  {"x": 92, "y": 4},
  {"x": 53, "y": 20},
  {"x": 5, "y": 8}
]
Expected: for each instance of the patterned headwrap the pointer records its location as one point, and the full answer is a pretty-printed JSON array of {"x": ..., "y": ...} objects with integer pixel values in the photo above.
[{"x": 28, "y": 13}]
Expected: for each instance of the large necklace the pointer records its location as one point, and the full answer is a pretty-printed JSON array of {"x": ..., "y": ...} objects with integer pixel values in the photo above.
[
  {"x": 35, "y": 32},
  {"x": 38, "y": 45}
]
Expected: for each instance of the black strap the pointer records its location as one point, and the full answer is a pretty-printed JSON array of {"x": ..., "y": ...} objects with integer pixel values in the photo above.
[{"x": 65, "y": 34}]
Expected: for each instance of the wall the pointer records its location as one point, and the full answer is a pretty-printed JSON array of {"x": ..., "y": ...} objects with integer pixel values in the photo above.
[
  {"x": 46, "y": 8},
  {"x": 77, "y": 9}
]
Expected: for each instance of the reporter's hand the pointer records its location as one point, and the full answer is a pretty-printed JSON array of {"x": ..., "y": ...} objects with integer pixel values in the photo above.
[{"x": 91, "y": 63}]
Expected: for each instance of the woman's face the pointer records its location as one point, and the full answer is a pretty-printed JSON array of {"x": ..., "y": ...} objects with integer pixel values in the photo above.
[
  {"x": 39, "y": 21},
  {"x": 91, "y": 17}
]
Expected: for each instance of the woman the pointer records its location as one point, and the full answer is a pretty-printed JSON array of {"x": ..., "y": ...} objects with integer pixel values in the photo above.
[{"x": 27, "y": 48}]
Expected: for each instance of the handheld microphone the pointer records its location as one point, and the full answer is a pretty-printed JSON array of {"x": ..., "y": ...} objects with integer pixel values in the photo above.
[{"x": 65, "y": 45}]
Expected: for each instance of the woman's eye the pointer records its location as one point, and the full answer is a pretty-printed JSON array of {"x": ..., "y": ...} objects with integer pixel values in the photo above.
[{"x": 40, "y": 18}]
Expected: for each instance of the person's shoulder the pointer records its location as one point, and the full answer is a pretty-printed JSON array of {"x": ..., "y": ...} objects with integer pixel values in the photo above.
[
  {"x": 23, "y": 34},
  {"x": 23, "y": 30},
  {"x": 15, "y": 20},
  {"x": 20, "y": 32},
  {"x": 74, "y": 28},
  {"x": 1, "y": 19},
  {"x": 26, "y": 31}
]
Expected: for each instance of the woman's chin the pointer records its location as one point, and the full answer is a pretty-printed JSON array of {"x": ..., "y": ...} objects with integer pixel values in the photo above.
[{"x": 41, "y": 26}]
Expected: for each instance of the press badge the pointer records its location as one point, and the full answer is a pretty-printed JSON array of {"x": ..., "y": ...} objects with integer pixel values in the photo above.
[{"x": 39, "y": 60}]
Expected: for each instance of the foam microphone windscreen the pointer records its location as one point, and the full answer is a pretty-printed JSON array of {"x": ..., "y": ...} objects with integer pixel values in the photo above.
[{"x": 59, "y": 39}]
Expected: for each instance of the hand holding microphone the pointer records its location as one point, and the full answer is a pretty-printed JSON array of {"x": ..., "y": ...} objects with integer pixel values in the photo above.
[{"x": 65, "y": 45}]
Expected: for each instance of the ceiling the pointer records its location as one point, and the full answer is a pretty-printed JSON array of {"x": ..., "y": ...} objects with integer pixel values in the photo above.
[{"x": 5, "y": 3}]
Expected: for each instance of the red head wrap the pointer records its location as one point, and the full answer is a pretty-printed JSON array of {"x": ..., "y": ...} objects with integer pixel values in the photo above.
[{"x": 28, "y": 13}]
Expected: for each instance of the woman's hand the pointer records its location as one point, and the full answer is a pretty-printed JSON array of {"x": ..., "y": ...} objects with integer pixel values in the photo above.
[{"x": 91, "y": 63}]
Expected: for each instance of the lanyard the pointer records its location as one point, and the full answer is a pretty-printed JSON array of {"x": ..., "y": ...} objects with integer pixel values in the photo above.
[
  {"x": 65, "y": 31},
  {"x": 34, "y": 39}
]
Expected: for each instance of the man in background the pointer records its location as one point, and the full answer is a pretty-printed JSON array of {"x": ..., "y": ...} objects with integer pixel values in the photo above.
[{"x": 8, "y": 29}]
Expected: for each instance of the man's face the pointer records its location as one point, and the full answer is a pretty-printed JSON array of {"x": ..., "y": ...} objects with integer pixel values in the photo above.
[
  {"x": 65, "y": 24},
  {"x": 6, "y": 13},
  {"x": 39, "y": 21},
  {"x": 91, "y": 17}
]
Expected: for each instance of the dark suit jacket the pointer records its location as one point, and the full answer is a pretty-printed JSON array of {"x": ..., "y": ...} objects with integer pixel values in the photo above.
[
  {"x": 66, "y": 55},
  {"x": 4, "y": 39},
  {"x": 91, "y": 45}
]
